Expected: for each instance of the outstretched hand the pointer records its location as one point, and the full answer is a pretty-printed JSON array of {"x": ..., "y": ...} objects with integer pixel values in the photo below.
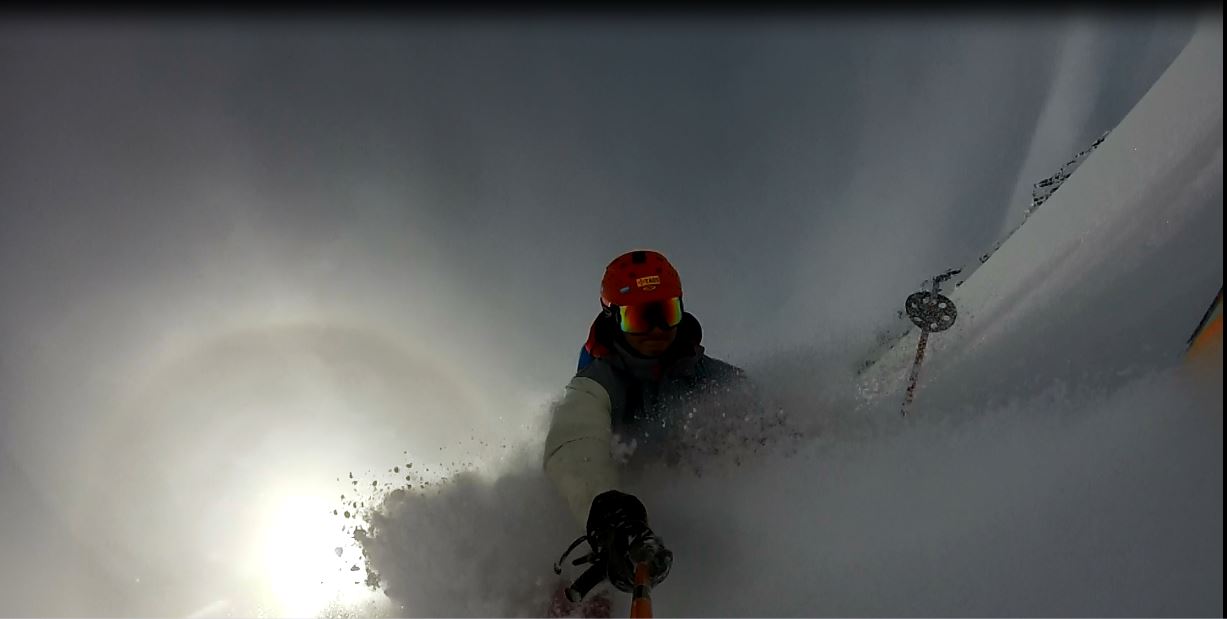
[{"x": 618, "y": 532}]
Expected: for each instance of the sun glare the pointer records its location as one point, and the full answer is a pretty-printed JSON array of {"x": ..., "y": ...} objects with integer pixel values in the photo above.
[{"x": 305, "y": 571}]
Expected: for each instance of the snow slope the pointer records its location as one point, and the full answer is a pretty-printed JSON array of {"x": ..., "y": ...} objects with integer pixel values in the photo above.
[{"x": 1104, "y": 239}]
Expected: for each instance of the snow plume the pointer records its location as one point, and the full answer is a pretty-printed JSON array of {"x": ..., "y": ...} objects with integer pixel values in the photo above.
[
  {"x": 1070, "y": 503},
  {"x": 471, "y": 546},
  {"x": 1073, "y": 502}
]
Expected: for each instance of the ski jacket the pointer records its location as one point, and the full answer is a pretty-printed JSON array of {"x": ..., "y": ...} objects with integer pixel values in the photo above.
[{"x": 646, "y": 402}]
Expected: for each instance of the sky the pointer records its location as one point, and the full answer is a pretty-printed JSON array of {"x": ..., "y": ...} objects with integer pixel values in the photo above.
[{"x": 242, "y": 258}]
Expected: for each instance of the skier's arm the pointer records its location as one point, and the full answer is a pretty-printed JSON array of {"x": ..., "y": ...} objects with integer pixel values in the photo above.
[{"x": 577, "y": 458}]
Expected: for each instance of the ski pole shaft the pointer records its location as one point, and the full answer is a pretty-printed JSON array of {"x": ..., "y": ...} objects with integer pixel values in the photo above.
[
  {"x": 915, "y": 375},
  {"x": 641, "y": 602}
]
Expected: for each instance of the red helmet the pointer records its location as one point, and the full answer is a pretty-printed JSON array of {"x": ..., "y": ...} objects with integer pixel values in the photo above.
[{"x": 638, "y": 277}]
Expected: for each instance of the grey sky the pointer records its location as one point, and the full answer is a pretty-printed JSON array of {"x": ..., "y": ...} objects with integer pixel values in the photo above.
[{"x": 187, "y": 205}]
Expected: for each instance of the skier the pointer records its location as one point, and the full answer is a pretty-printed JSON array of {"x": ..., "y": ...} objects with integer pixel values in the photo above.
[{"x": 640, "y": 375}]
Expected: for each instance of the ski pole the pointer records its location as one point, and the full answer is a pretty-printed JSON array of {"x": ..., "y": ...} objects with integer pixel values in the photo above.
[
  {"x": 641, "y": 600},
  {"x": 932, "y": 312}
]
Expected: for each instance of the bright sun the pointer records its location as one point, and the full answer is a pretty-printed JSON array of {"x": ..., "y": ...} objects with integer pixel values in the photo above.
[{"x": 300, "y": 561}]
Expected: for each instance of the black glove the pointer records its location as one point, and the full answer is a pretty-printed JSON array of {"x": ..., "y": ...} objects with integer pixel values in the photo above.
[{"x": 618, "y": 532}]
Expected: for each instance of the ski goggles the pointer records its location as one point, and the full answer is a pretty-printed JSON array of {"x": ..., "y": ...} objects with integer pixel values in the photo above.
[{"x": 640, "y": 319}]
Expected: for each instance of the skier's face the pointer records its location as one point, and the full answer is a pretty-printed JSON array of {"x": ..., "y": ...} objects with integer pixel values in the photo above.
[{"x": 652, "y": 344}]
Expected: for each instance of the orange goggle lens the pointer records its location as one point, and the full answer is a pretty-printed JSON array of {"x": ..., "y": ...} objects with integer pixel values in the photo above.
[{"x": 665, "y": 314}]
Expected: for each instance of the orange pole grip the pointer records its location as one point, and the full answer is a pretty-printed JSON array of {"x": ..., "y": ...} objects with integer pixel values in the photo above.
[{"x": 641, "y": 600}]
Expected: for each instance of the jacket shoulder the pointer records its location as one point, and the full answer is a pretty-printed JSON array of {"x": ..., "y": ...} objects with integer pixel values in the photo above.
[
  {"x": 600, "y": 369},
  {"x": 720, "y": 370}
]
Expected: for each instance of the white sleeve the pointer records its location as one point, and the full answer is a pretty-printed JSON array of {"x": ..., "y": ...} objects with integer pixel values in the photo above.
[{"x": 577, "y": 457}]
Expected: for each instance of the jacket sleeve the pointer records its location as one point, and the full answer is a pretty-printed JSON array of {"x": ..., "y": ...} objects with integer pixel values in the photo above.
[{"x": 577, "y": 448}]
